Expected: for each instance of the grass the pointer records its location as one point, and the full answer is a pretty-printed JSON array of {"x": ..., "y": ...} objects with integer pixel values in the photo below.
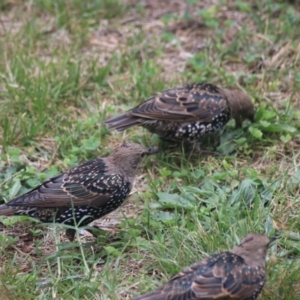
[{"x": 67, "y": 65}]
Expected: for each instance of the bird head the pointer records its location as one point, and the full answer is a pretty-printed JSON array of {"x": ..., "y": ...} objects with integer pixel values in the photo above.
[
  {"x": 128, "y": 156},
  {"x": 253, "y": 248},
  {"x": 253, "y": 241},
  {"x": 241, "y": 106}
]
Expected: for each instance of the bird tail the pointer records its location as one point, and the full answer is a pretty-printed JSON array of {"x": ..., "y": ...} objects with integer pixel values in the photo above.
[
  {"x": 122, "y": 122},
  {"x": 157, "y": 295},
  {"x": 6, "y": 210}
]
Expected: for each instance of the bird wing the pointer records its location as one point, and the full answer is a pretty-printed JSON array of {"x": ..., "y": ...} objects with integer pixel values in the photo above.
[
  {"x": 194, "y": 102},
  {"x": 202, "y": 280},
  {"x": 194, "y": 282},
  {"x": 221, "y": 276},
  {"x": 178, "y": 288},
  {"x": 207, "y": 280},
  {"x": 239, "y": 283},
  {"x": 244, "y": 283},
  {"x": 87, "y": 184}
]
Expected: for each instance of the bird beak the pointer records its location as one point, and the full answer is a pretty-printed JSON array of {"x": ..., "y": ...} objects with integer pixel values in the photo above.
[{"x": 152, "y": 151}]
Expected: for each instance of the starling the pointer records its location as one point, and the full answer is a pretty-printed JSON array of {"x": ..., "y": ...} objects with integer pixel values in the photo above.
[
  {"x": 187, "y": 113},
  {"x": 83, "y": 193},
  {"x": 235, "y": 274}
]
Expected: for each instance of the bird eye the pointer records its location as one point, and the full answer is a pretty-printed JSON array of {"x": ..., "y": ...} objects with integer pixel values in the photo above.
[{"x": 247, "y": 240}]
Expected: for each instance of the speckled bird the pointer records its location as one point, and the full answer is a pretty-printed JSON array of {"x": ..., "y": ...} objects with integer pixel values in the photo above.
[
  {"x": 83, "y": 193},
  {"x": 187, "y": 113},
  {"x": 236, "y": 274}
]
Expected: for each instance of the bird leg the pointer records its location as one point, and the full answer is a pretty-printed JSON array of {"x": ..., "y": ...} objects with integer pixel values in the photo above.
[
  {"x": 190, "y": 146},
  {"x": 193, "y": 146}
]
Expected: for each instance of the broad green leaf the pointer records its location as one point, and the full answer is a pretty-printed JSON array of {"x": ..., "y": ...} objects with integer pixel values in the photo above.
[
  {"x": 255, "y": 132},
  {"x": 113, "y": 251},
  {"x": 15, "y": 188},
  {"x": 174, "y": 200}
]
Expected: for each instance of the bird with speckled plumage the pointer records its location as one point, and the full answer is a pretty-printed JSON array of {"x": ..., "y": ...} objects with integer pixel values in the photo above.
[
  {"x": 187, "y": 113},
  {"x": 235, "y": 274},
  {"x": 83, "y": 193}
]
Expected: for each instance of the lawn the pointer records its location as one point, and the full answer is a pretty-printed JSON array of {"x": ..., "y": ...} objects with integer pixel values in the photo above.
[{"x": 65, "y": 66}]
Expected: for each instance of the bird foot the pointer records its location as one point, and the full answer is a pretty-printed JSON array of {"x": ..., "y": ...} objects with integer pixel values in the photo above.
[
  {"x": 189, "y": 147},
  {"x": 195, "y": 148}
]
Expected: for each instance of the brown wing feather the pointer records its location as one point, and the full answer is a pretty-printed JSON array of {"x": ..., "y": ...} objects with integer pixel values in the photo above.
[
  {"x": 189, "y": 103},
  {"x": 239, "y": 283},
  {"x": 53, "y": 194},
  {"x": 205, "y": 281},
  {"x": 244, "y": 283},
  {"x": 222, "y": 277},
  {"x": 87, "y": 184},
  {"x": 193, "y": 102}
]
